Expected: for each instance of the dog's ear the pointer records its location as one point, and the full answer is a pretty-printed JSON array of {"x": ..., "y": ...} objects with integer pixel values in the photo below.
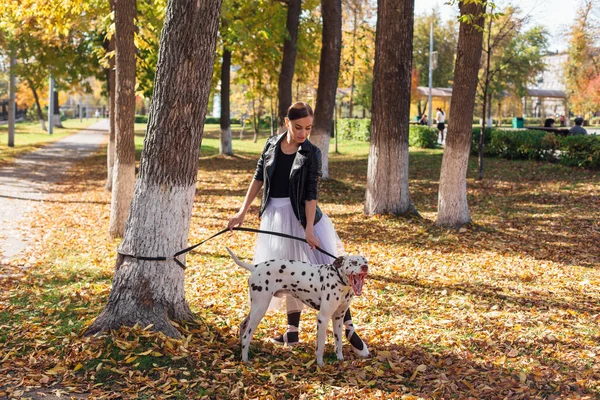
[{"x": 338, "y": 262}]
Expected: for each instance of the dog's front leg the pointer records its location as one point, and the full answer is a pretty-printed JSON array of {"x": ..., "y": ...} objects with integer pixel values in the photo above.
[{"x": 322, "y": 322}]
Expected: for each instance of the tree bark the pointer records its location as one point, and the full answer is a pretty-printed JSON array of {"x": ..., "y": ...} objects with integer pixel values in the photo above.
[
  {"x": 37, "y": 104},
  {"x": 387, "y": 175},
  {"x": 226, "y": 146},
  {"x": 152, "y": 292},
  {"x": 329, "y": 70},
  {"x": 354, "y": 28},
  {"x": 286, "y": 76},
  {"x": 12, "y": 93},
  {"x": 486, "y": 85},
  {"x": 453, "y": 208},
  {"x": 111, "y": 79},
  {"x": 124, "y": 163}
]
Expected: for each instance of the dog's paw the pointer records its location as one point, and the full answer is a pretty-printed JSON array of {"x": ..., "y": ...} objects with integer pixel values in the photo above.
[
  {"x": 364, "y": 353},
  {"x": 320, "y": 361},
  {"x": 340, "y": 357}
]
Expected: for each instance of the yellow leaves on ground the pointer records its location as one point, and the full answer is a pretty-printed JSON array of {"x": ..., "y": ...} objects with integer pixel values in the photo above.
[{"x": 507, "y": 308}]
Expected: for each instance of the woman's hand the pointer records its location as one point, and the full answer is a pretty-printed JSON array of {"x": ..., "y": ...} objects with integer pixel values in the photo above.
[
  {"x": 237, "y": 220},
  {"x": 311, "y": 238}
]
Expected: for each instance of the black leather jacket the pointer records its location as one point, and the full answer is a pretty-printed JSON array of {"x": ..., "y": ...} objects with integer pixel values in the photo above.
[{"x": 304, "y": 176}]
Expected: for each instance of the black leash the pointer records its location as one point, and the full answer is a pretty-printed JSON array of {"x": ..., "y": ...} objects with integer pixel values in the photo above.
[{"x": 187, "y": 250}]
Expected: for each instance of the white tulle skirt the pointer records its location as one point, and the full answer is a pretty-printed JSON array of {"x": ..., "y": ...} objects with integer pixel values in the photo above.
[{"x": 279, "y": 217}]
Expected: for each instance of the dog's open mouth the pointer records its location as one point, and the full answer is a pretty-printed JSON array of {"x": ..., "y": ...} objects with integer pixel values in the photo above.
[{"x": 357, "y": 281}]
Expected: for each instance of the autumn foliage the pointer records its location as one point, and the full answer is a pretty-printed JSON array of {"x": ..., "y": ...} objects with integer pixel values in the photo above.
[{"x": 508, "y": 308}]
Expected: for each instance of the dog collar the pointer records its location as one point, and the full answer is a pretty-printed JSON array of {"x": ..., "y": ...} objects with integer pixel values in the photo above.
[{"x": 337, "y": 271}]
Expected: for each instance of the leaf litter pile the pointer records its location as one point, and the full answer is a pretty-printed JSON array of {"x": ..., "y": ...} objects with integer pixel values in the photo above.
[{"x": 507, "y": 308}]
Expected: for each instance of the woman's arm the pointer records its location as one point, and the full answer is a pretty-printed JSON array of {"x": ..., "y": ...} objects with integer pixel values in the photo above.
[
  {"x": 251, "y": 194},
  {"x": 310, "y": 207}
]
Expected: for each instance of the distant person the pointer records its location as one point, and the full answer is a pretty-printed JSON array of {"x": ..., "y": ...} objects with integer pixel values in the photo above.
[
  {"x": 549, "y": 123},
  {"x": 440, "y": 117},
  {"x": 578, "y": 129},
  {"x": 423, "y": 119},
  {"x": 562, "y": 120},
  {"x": 97, "y": 114}
]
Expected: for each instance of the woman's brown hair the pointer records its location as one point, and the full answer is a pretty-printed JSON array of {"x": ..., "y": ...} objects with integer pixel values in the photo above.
[{"x": 299, "y": 110}]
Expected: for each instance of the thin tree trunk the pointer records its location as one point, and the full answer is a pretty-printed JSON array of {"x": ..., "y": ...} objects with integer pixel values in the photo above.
[
  {"x": 152, "y": 292},
  {"x": 124, "y": 165},
  {"x": 37, "y": 104},
  {"x": 256, "y": 120},
  {"x": 453, "y": 208},
  {"x": 12, "y": 93},
  {"x": 226, "y": 146},
  {"x": 486, "y": 86},
  {"x": 286, "y": 76},
  {"x": 387, "y": 174},
  {"x": 243, "y": 122},
  {"x": 111, "y": 79},
  {"x": 271, "y": 120},
  {"x": 329, "y": 70},
  {"x": 354, "y": 28}
]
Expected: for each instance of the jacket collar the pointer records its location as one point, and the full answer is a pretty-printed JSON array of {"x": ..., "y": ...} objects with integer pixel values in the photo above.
[{"x": 304, "y": 148}]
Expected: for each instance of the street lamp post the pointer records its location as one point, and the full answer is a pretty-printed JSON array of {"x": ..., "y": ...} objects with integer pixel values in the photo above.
[
  {"x": 50, "y": 106},
  {"x": 429, "y": 100}
]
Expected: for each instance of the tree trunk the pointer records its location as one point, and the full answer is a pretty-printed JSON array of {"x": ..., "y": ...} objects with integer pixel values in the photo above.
[
  {"x": 482, "y": 136},
  {"x": 354, "y": 28},
  {"x": 387, "y": 175},
  {"x": 37, "y": 104},
  {"x": 12, "y": 105},
  {"x": 111, "y": 78},
  {"x": 271, "y": 127},
  {"x": 226, "y": 146},
  {"x": 329, "y": 69},
  {"x": 152, "y": 292},
  {"x": 485, "y": 105},
  {"x": 453, "y": 208},
  {"x": 124, "y": 164},
  {"x": 286, "y": 76},
  {"x": 256, "y": 120}
]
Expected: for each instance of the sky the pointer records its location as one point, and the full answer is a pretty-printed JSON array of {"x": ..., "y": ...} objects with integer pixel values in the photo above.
[{"x": 555, "y": 15}]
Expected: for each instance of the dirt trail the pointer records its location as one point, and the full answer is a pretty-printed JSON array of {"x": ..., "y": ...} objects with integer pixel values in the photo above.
[{"x": 28, "y": 181}]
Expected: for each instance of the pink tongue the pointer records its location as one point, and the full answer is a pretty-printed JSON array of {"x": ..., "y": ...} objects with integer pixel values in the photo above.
[{"x": 357, "y": 284}]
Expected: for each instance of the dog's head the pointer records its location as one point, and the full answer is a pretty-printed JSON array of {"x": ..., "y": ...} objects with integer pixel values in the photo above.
[{"x": 355, "y": 269}]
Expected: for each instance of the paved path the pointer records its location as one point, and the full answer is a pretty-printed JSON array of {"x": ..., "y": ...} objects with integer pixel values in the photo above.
[{"x": 28, "y": 181}]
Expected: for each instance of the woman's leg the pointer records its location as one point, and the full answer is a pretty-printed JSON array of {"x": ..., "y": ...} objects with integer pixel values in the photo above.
[
  {"x": 359, "y": 347},
  {"x": 294, "y": 310}
]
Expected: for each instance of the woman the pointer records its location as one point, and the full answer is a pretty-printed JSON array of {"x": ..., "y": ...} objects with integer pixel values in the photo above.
[
  {"x": 290, "y": 167},
  {"x": 440, "y": 117}
]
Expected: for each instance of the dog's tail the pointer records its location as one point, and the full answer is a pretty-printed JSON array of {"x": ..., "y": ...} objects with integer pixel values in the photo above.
[{"x": 249, "y": 267}]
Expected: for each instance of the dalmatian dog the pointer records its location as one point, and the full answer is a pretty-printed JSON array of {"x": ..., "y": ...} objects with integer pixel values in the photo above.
[{"x": 328, "y": 288}]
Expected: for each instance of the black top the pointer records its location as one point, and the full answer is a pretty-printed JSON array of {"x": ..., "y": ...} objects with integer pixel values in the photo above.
[
  {"x": 304, "y": 176},
  {"x": 280, "y": 184}
]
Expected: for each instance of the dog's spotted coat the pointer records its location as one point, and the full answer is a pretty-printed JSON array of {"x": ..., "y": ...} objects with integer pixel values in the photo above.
[{"x": 328, "y": 288}]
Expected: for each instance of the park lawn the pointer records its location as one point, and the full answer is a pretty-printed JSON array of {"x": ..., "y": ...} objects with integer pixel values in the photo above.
[
  {"x": 30, "y": 136},
  {"x": 506, "y": 308}
]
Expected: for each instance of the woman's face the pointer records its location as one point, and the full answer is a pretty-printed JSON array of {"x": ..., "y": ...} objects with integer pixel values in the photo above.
[{"x": 299, "y": 129}]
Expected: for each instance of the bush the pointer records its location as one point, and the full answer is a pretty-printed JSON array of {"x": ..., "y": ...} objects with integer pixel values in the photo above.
[
  {"x": 141, "y": 119},
  {"x": 422, "y": 136},
  {"x": 523, "y": 144},
  {"x": 486, "y": 140},
  {"x": 360, "y": 129},
  {"x": 581, "y": 150},
  {"x": 354, "y": 129}
]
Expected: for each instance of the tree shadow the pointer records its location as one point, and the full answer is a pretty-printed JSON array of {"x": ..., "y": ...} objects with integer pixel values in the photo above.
[{"x": 491, "y": 294}]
